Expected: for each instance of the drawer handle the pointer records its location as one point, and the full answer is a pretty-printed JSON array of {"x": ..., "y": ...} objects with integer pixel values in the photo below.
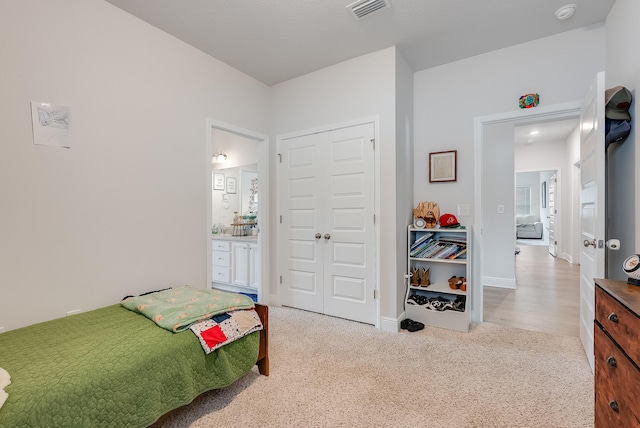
[
  {"x": 614, "y": 406},
  {"x": 613, "y": 317},
  {"x": 612, "y": 361}
]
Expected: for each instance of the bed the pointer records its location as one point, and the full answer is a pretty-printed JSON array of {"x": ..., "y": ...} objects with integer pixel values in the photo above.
[
  {"x": 528, "y": 227},
  {"x": 112, "y": 367}
]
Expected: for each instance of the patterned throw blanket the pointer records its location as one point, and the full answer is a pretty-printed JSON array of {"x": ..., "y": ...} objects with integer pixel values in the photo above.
[
  {"x": 222, "y": 329},
  {"x": 177, "y": 308}
]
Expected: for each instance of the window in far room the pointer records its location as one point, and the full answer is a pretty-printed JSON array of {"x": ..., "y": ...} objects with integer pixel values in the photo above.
[{"x": 523, "y": 200}]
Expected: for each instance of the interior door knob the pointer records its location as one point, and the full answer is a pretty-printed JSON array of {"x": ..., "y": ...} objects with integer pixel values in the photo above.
[
  {"x": 586, "y": 243},
  {"x": 318, "y": 236},
  {"x": 327, "y": 236}
]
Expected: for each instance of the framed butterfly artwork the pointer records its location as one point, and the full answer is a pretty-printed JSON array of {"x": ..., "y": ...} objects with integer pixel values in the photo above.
[{"x": 51, "y": 124}]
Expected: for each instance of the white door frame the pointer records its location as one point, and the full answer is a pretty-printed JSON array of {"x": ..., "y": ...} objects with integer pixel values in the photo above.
[
  {"x": 376, "y": 183},
  {"x": 556, "y": 111},
  {"x": 264, "y": 208}
]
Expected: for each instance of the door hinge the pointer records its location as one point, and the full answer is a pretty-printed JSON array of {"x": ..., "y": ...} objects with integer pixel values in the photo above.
[
  {"x": 280, "y": 219},
  {"x": 374, "y": 219},
  {"x": 375, "y": 294},
  {"x": 280, "y": 157},
  {"x": 280, "y": 279},
  {"x": 373, "y": 142}
]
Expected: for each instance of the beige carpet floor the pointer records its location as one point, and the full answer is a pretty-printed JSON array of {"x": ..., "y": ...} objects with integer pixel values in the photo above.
[{"x": 329, "y": 372}]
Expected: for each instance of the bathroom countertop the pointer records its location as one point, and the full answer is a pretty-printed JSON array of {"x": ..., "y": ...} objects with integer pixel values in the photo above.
[{"x": 229, "y": 237}]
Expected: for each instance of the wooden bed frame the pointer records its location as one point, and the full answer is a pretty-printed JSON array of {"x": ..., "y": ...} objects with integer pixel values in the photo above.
[{"x": 263, "y": 353}]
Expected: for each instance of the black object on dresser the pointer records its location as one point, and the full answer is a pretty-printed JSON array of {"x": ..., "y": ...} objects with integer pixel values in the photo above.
[{"x": 617, "y": 354}]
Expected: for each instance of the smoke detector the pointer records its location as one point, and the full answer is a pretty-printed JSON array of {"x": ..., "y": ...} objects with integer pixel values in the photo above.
[
  {"x": 566, "y": 11},
  {"x": 363, "y": 8}
]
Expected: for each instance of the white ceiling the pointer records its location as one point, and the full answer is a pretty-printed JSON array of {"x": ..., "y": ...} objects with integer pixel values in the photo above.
[
  {"x": 277, "y": 40},
  {"x": 558, "y": 130}
]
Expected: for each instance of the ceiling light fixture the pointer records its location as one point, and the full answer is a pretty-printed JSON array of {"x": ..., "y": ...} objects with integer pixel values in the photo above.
[
  {"x": 566, "y": 11},
  {"x": 219, "y": 158}
]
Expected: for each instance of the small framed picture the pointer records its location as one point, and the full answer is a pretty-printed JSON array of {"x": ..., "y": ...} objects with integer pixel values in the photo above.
[
  {"x": 231, "y": 185},
  {"x": 442, "y": 166},
  {"x": 51, "y": 125},
  {"x": 218, "y": 181}
]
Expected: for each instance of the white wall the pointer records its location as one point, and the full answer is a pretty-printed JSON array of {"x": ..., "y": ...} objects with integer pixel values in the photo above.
[
  {"x": 124, "y": 210},
  {"x": 623, "y": 187},
  {"x": 354, "y": 89},
  {"x": 498, "y": 189},
  {"x": 404, "y": 168},
  {"x": 449, "y": 97}
]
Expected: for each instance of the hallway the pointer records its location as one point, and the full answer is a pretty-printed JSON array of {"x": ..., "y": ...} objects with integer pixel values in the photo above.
[{"x": 547, "y": 298}]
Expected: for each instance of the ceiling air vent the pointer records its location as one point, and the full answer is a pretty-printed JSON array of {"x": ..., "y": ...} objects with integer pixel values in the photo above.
[{"x": 364, "y": 8}]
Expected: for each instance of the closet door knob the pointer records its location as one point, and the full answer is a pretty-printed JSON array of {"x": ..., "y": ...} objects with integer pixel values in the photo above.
[
  {"x": 587, "y": 243},
  {"x": 327, "y": 236},
  {"x": 318, "y": 236},
  {"x": 613, "y": 317}
]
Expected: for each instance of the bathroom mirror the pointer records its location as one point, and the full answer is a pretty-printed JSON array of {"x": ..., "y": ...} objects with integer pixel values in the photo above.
[
  {"x": 236, "y": 195},
  {"x": 249, "y": 191}
]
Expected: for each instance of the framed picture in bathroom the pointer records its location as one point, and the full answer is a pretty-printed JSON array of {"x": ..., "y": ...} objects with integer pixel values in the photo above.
[
  {"x": 218, "y": 181},
  {"x": 231, "y": 185}
]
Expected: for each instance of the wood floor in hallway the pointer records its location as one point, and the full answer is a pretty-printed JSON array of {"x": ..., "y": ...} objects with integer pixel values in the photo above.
[{"x": 547, "y": 297}]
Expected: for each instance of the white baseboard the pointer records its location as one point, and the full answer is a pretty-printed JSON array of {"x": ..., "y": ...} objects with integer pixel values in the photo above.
[
  {"x": 273, "y": 300},
  {"x": 391, "y": 324},
  {"x": 567, "y": 257},
  {"x": 488, "y": 281}
]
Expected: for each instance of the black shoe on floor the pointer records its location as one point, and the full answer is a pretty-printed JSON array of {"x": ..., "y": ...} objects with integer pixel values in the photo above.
[
  {"x": 415, "y": 326},
  {"x": 411, "y": 325},
  {"x": 405, "y": 323}
]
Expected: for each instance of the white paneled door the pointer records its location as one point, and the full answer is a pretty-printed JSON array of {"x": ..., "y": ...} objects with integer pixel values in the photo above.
[
  {"x": 551, "y": 199},
  {"x": 592, "y": 207},
  {"x": 327, "y": 240}
]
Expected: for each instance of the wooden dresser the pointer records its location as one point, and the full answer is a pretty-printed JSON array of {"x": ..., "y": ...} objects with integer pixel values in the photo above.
[{"x": 617, "y": 354}]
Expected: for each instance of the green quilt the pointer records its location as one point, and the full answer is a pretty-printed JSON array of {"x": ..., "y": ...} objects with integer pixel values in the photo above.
[
  {"x": 177, "y": 308},
  {"x": 110, "y": 368}
]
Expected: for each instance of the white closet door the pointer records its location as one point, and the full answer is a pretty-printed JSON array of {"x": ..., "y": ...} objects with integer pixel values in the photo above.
[
  {"x": 300, "y": 186},
  {"x": 592, "y": 207},
  {"x": 328, "y": 223}
]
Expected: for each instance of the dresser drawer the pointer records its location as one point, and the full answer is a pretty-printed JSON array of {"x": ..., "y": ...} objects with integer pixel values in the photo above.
[
  {"x": 221, "y": 245},
  {"x": 617, "y": 383},
  {"x": 621, "y": 324},
  {"x": 221, "y": 274},
  {"x": 221, "y": 258}
]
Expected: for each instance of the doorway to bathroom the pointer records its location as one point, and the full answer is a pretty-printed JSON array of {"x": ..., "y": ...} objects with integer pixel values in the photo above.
[{"x": 237, "y": 184}]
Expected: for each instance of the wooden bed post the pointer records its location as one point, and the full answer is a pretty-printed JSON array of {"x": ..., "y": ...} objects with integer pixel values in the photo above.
[{"x": 263, "y": 353}]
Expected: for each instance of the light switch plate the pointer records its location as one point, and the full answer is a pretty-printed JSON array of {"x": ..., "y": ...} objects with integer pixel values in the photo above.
[
  {"x": 500, "y": 209},
  {"x": 464, "y": 209}
]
